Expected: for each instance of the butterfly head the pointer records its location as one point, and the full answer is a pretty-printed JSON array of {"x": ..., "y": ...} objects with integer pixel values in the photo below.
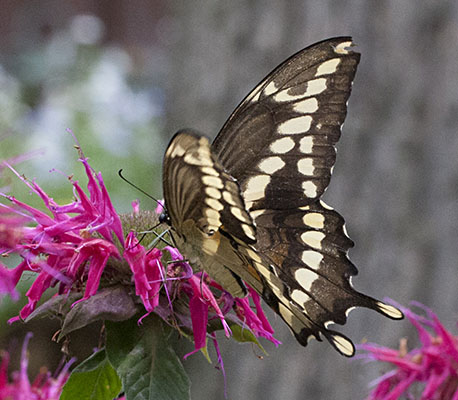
[{"x": 164, "y": 218}]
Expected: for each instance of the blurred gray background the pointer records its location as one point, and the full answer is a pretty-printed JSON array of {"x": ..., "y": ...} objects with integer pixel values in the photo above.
[{"x": 126, "y": 75}]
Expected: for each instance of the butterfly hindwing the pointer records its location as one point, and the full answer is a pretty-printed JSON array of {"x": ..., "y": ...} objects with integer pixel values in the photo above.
[{"x": 309, "y": 247}]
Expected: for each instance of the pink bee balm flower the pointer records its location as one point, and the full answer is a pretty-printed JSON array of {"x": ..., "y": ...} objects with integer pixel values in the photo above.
[
  {"x": 86, "y": 245},
  {"x": 257, "y": 322},
  {"x": 72, "y": 244},
  {"x": 430, "y": 369},
  {"x": 44, "y": 387},
  {"x": 146, "y": 267},
  {"x": 201, "y": 300}
]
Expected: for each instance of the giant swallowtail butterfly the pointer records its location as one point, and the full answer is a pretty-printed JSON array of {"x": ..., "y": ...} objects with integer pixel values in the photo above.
[{"x": 247, "y": 208}]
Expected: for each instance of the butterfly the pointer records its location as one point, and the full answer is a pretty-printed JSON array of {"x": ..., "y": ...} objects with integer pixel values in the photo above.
[{"x": 247, "y": 208}]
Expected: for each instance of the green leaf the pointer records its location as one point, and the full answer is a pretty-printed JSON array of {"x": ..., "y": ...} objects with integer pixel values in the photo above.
[
  {"x": 112, "y": 303},
  {"x": 145, "y": 361},
  {"x": 56, "y": 306},
  {"x": 244, "y": 335},
  {"x": 121, "y": 338},
  {"x": 93, "y": 379}
]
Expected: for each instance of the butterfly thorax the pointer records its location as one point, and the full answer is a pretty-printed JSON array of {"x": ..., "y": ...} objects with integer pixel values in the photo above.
[{"x": 164, "y": 218}]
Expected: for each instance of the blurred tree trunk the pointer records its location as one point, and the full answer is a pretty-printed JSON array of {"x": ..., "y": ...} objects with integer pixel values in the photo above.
[{"x": 395, "y": 181}]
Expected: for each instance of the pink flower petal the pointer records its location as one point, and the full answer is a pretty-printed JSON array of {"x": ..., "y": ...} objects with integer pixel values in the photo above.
[
  {"x": 202, "y": 291},
  {"x": 160, "y": 207},
  {"x": 199, "y": 317},
  {"x": 8, "y": 281}
]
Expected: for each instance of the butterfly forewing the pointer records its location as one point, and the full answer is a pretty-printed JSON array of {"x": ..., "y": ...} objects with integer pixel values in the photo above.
[
  {"x": 248, "y": 207},
  {"x": 279, "y": 143},
  {"x": 197, "y": 188},
  {"x": 207, "y": 212}
]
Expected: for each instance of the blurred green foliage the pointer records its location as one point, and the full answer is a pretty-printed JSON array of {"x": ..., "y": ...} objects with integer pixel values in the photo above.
[{"x": 97, "y": 93}]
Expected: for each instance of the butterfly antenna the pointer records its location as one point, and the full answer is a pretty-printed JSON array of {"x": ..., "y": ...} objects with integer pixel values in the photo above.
[{"x": 138, "y": 188}]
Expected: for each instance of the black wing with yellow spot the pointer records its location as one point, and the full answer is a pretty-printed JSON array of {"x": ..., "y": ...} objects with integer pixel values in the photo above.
[
  {"x": 277, "y": 151},
  {"x": 279, "y": 142}
]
